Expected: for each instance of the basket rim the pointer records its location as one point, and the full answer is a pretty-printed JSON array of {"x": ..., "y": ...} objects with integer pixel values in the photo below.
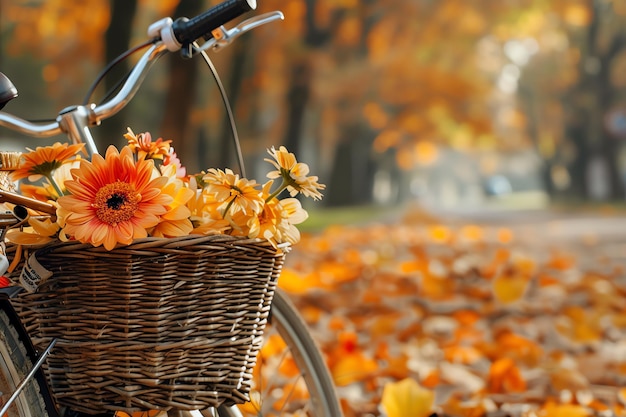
[{"x": 152, "y": 242}]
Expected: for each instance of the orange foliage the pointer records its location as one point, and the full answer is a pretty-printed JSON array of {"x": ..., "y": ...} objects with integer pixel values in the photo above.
[
  {"x": 505, "y": 376},
  {"x": 462, "y": 354},
  {"x": 564, "y": 410},
  {"x": 509, "y": 288},
  {"x": 519, "y": 348},
  {"x": 429, "y": 305},
  {"x": 581, "y": 326}
]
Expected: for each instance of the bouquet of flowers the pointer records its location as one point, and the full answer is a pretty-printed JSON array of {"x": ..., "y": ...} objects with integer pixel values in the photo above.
[{"x": 143, "y": 190}]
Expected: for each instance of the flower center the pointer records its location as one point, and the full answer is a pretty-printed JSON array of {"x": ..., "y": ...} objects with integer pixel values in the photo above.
[{"x": 116, "y": 203}]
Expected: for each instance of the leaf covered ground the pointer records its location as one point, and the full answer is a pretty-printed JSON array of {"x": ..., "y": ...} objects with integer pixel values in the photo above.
[{"x": 419, "y": 318}]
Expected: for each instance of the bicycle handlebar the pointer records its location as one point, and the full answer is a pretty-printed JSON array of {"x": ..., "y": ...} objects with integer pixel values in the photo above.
[
  {"x": 186, "y": 31},
  {"x": 168, "y": 36}
]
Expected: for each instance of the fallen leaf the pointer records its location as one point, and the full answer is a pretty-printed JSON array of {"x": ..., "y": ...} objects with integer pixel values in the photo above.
[
  {"x": 509, "y": 288},
  {"x": 564, "y": 410},
  {"x": 407, "y": 398},
  {"x": 505, "y": 377}
]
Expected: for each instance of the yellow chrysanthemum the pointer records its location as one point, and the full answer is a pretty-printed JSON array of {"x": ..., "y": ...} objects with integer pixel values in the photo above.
[
  {"x": 113, "y": 199},
  {"x": 236, "y": 194},
  {"x": 276, "y": 222},
  {"x": 204, "y": 214},
  {"x": 175, "y": 222},
  {"x": 210, "y": 226},
  {"x": 240, "y": 222},
  {"x": 294, "y": 174},
  {"x": 42, "y": 161}
]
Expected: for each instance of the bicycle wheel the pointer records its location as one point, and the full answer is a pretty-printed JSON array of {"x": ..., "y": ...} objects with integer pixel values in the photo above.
[
  {"x": 291, "y": 377},
  {"x": 14, "y": 366}
]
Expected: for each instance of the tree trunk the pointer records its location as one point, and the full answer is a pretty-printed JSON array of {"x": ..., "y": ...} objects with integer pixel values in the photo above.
[
  {"x": 181, "y": 96},
  {"x": 588, "y": 103},
  {"x": 301, "y": 76},
  {"x": 352, "y": 177},
  {"x": 117, "y": 40}
]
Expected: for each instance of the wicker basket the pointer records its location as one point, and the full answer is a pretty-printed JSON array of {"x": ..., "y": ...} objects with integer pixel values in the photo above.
[{"x": 159, "y": 324}]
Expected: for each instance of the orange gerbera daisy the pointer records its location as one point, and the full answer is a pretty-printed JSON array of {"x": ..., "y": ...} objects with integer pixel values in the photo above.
[
  {"x": 44, "y": 160},
  {"x": 113, "y": 199}
]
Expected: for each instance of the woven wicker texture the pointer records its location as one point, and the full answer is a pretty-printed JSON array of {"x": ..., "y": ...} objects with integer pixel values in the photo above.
[{"x": 160, "y": 324}]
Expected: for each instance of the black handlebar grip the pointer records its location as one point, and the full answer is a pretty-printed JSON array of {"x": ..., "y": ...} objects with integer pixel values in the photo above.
[{"x": 188, "y": 31}]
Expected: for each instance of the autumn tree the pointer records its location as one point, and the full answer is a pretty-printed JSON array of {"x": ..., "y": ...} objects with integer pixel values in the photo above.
[
  {"x": 569, "y": 90},
  {"x": 589, "y": 101},
  {"x": 181, "y": 91},
  {"x": 52, "y": 49},
  {"x": 117, "y": 41}
]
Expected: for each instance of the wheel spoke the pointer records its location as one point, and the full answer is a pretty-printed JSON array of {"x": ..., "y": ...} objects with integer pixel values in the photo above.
[{"x": 15, "y": 365}]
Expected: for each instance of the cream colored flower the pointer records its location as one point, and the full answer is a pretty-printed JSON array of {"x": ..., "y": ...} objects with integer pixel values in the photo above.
[
  {"x": 237, "y": 194},
  {"x": 294, "y": 174},
  {"x": 276, "y": 222}
]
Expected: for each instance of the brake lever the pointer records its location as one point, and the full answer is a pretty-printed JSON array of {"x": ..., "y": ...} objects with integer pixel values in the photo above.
[{"x": 222, "y": 37}]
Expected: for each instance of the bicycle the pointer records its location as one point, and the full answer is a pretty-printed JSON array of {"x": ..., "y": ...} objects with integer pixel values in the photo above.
[{"x": 23, "y": 380}]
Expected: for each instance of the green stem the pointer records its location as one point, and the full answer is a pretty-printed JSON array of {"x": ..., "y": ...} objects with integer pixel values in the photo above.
[
  {"x": 54, "y": 185},
  {"x": 230, "y": 203},
  {"x": 278, "y": 191}
]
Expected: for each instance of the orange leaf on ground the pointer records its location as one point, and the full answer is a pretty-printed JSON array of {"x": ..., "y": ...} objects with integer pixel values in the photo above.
[
  {"x": 582, "y": 326},
  {"x": 466, "y": 317},
  {"x": 473, "y": 233},
  {"x": 432, "y": 379},
  {"x": 561, "y": 261},
  {"x": 505, "y": 377},
  {"x": 436, "y": 287},
  {"x": 518, "y": 347},
  {"x": 296, "y": 283},
  {"x": 546, "y": 280},
  {"x": 462, "y": 354},
  {"x": 505, "y": 235},
  {"x": 458, "y": 408},
  {"x": 564, "y": 410},
  {"x": 352, "y": 368},
  {"x": 440, "y": 234},
  {"x": 385, "y": 324}
]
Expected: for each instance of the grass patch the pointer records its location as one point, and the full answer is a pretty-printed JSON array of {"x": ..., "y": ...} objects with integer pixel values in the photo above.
[{"x": 321, "y": 218}]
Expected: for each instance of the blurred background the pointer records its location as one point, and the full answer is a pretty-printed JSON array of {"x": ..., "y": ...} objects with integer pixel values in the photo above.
[{"x": 449, "y": 103}]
